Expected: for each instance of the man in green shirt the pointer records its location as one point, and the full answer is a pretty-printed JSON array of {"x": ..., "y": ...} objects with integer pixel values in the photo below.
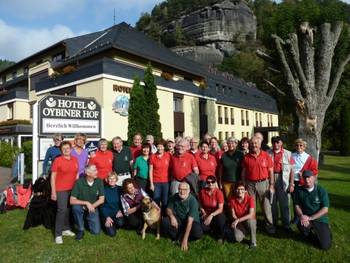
[
  {"x": 86, "y": 196},
  {"x": 311, "y": 205},
  {"x": 182, "y": 222}
]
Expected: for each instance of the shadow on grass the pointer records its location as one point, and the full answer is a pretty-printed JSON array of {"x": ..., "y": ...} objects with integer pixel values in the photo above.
[
  {"x": 339, "y": 201},
  {"x": 337, "y": 169}
]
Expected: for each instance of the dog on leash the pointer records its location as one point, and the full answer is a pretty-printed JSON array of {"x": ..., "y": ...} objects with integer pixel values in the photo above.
[{"x": 151, "y": 216}]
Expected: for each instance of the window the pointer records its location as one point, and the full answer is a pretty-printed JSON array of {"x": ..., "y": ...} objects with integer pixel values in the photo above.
[
  {"x": 178, "y": 134},
  {"x": 10, "y": 111},
  {"x": 177, "y": 101},
  {"x": 218, "y": 89},
  {"x": 242, "y": 117},
  {"x": 226, "y": 115},
  {"x": 247, "y": 134},
  {"x": 256, "y": 120},
  {"x": 260, "y": 117},
  {"x": 219, "y": 115},
  {"x": 14, "y": 74},
  {"x": 69, "y": 91},
  {"x": 35, "y": 78},
  {"x": 232, "y": 116},
  {"x": 58, "y": 56},
  {"x": 233, "y": 134},
  {"x": 242, "y": 134},
  {"x": 220, "y": 136},
  {"x": 226, "y": 135},
  {"x": 247, "y": 117}
]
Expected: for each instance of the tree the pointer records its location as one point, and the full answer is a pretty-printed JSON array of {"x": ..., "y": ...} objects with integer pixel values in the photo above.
[
  {"x": 150, "y": 112},
  {"x": 312, "y": 71},
  {"x": 345, "y": 130},
  {"x": 136, "y": 119}
]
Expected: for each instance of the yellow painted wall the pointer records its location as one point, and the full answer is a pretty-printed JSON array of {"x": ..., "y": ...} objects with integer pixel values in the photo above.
[
  {"x": 21, "y": 110},
  {"x": 166, "y": 113},
  {"x": 191, "y": 116},
  {"x": 3, "y": 112}
]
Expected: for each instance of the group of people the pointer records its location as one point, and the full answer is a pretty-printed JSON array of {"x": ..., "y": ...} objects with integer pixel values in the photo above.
[{"x": 196, "y": 186}]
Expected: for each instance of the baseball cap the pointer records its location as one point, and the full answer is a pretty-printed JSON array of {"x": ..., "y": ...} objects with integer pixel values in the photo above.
[{"x": 307, "y": 173}]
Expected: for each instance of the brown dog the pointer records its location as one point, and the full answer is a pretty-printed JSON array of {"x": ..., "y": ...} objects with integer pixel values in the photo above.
[{"x": 151, "y": 216}]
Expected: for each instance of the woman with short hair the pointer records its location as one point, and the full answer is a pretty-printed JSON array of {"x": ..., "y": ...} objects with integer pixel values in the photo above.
[
  {"x": 111, "y": 210},
  {"x": 211, "y": 200},
  {"x": 206, "y": 163},
  {"x": 243, "y": 214},
  {"x": 64, "y": 174},
  {"x": 102, "y": 159},
  {"x": 159, "y": 174},
  {"x": 141, "y": 166},
  {"x": 131, "y": 203},
  {"x": 80, "y": 153}
]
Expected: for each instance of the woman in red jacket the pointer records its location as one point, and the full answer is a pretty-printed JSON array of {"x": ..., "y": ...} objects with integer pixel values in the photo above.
[
  {"x": 102, "y": 159},
  {"x": 65, "y": 170}
]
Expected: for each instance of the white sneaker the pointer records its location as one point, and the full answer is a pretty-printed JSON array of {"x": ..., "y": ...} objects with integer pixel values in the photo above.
[
  {"x": 59, "y": 240},
  {"x": 68, "y": 233}
]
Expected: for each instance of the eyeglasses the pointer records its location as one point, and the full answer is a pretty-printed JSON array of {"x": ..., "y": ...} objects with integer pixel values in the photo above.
[{"x": 210, "y": 182}]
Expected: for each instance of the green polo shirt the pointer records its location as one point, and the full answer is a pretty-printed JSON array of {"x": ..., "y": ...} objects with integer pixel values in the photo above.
[
  {"x": 121, "y": 160},
  {"x": 312, "y": 202},
  {"x": 182, "y": 209},
  {"x": 85, "y": 192},
  {"x": 231, "y": 166},
  {"x": 141, "y": 165}
]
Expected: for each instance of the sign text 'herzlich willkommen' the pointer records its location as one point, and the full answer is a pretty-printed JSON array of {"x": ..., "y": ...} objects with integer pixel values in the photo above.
[{"x": 69, "y": 115}]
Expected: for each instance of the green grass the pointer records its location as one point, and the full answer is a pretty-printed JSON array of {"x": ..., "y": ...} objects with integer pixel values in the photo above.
[{"x": 36, "y": 244}]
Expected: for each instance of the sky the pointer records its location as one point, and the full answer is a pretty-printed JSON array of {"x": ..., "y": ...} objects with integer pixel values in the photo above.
[{"x": 27, "y": 26}]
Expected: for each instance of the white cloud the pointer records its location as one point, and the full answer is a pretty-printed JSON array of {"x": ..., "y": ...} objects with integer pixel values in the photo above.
[
  {"x": 34, "y": 9},
  {"x": 17, "y": 43}
]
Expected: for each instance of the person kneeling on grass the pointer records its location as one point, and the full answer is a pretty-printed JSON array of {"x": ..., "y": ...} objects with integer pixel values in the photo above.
[
  {"x": 311, "y": 206},
  {"x": 87, "y": 195},
  {"x": 111, "y": 210},
  {"x": 182, "y": 222},
  {"x": 243, "y": 214}
]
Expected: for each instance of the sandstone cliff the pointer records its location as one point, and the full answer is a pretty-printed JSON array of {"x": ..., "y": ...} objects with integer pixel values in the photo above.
[{"x": 216, "y": 30}]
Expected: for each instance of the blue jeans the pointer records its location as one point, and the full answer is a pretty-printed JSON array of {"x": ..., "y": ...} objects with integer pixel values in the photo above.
[
  {"x": 161, "y": 193},
  {"x": 93, "y": 219}
]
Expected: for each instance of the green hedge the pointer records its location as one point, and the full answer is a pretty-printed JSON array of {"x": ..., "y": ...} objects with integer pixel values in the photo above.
[
  {"x": 27, "y": 150},
  {"x": 7, "y": 154}
]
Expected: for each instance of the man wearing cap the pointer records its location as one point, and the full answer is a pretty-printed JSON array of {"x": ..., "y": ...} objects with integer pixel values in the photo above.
[
  {"x": 170, "y": 146},
  {"x": 230, "y": 169},
  {"x": 150, "y": 141},
  {"x": 311, "y": 205},
  {"x": 257, "y": 174},
  {"x": 122, "y": 160},
  {"x": 284, "y": 181}
]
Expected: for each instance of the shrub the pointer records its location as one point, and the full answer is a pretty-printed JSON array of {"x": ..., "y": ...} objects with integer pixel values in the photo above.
[
  {"x": 7, "y": 154},
  {"x": 27, "y": 150}
]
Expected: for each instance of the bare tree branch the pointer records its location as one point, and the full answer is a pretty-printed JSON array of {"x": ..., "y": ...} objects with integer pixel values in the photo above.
[
  {"x": 307, "y": 54},
  {"x": 275, "y": 87},
  {"x": 262, "y": 54},
  {"x": 291, "y": 81},
  {"x": 274, "y": 70},
  {"x": 328, "y": 43},
  {"x": 337, "y": 75},
  {"x": 294, "y": 51}
]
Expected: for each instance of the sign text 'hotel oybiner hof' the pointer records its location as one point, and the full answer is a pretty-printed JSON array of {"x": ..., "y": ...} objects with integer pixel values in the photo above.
[{"x": 69, "y": 115}]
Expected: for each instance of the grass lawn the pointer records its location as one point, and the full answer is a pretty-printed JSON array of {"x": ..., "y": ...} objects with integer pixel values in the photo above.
[{"x": 37, "y": 245}]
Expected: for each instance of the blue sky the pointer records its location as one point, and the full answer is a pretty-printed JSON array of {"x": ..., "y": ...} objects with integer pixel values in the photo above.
[{"x": 27, "y": 26}]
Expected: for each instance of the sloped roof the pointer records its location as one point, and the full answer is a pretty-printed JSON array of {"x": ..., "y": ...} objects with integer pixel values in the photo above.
[{"x": 128, "y": 39}]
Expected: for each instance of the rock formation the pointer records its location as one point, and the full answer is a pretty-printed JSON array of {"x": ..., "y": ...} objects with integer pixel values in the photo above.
[{"x": 216, "y": 30}]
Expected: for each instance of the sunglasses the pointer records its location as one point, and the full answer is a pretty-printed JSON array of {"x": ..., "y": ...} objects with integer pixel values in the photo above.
[{"x": 210, "y": 182}]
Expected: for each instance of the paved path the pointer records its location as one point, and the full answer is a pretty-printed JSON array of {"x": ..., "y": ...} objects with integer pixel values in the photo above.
[{"x": 5, "y": 177}]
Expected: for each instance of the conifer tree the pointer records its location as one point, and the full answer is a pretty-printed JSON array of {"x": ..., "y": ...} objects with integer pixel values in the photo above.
[
  {"x": 136, "y": 119},
  {"x": 151, "y": 106}
]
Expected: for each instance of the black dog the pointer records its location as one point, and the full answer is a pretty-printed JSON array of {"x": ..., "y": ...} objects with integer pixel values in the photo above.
[{"x": 42, "y": 210}]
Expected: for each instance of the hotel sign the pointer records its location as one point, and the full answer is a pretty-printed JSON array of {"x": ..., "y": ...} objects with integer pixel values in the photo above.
[{"x": 69, "y": 115}]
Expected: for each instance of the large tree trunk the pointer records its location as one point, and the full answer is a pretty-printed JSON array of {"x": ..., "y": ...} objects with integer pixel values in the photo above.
[{"x": 311, "y": 78}]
